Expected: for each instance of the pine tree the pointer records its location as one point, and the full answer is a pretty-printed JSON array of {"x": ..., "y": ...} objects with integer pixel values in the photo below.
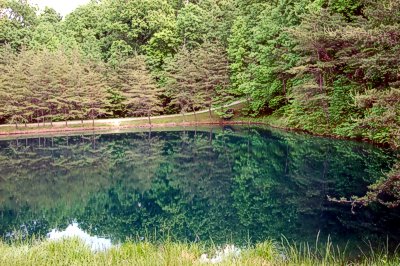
[
  {"x": 7, "y": 59},
  {"x": 94, "y": 90},
  {"x": 183, "y": 83},
  {"x": 16, "y": 108},
  {"x": 317, "y": 43},
  {"x": 141, "y": 94},
  {"x": 213, "y": 67},
  {"x": 40, "y": 85},
  {"x": 76, "y": 91},
  {"x": 63, "y": 88}
]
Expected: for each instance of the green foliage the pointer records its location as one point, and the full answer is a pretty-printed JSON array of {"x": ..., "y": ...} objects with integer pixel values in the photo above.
[
  {"x": 17, "y": 17},
  {"x": 350, "y": 9},
  {"x": 310, "y": 61},
  {"x": 50, "y": 15},
  {"x": 191, "y": 25},
  {"x": 140, "y": 94},
  {"x": 46, "y": 86},
  {"x": 199, "y": 78},
  {"x": 119, "y": 52}
]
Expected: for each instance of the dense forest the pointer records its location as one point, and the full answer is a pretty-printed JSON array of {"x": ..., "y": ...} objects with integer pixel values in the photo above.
[{"x": 323, "y": 66}]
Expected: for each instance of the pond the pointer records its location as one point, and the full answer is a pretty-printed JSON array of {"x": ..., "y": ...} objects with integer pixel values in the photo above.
[{"x": 238, "y": 185}]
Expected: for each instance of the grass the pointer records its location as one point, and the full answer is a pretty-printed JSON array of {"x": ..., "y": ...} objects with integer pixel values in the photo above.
[
  {"x": 201, "y": 118},
  {"x": 275, "y": 120},
  {"x": 74, "y": 252}
]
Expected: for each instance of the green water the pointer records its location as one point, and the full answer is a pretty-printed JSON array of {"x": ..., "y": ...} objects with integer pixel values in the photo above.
[{"x": 226, "y": 185}]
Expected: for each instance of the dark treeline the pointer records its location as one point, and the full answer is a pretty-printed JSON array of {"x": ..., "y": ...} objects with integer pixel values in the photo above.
[{"x": 324, "y": 66}]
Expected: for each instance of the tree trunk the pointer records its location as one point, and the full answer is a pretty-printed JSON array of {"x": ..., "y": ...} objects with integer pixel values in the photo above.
[
  {"x": 51, "y": 117},
  {"x": 93, "y": 122},
  {"x": 209, "y": 107},
  {"x": 324, "y": 104},
  {"x": 148, "y": 115},
  {"x": 284, "y": 89},
  {"x": 195, "y": 115}
]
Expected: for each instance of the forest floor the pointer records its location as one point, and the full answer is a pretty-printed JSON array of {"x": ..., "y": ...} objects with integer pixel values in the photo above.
[{"x": 189, "y": 119}]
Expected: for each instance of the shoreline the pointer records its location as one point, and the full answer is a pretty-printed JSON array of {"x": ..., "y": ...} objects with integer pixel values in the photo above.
[
  {"x": 106, "y": 128},
  {"x": 111, "y": 127},
  {"x": 337, "y": 137}
]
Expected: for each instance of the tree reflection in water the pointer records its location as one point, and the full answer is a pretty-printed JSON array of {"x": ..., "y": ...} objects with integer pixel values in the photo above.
[{"x": 235, "y": 184}]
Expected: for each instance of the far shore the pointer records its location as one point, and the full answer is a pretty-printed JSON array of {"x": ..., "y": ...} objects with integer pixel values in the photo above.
[
  {"x": 159, "y": 123},
  {"x": 59, "y": 130},
  {"x": 203, "y": 117}
]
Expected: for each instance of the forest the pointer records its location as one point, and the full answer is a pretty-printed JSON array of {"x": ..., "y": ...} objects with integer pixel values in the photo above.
[{"x": 328, "y": 67}]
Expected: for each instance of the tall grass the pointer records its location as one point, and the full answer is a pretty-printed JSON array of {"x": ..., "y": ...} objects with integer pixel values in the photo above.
[{"x": 74, "y": 252}]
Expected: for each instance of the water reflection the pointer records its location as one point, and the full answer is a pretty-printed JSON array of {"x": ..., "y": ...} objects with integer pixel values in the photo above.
[
  {"x": 226, "y": 185},
  {"x": 73, "y": 231}
]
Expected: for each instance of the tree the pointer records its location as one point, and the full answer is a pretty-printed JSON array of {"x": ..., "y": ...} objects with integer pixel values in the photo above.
[
  {"x": 191, "y": 26},
  {"x": 45, "y": 36},
  {"x": 17, "y": 89},
  {"x": 84, "y": 25},
  {"x": 183, "y": 83},
  {"x": 17, "y": 17},
  {"x": 213, "y": 67},
  {"x": 94, "y": 90},
  {"x": 7, "y": 59},
  {"x": 141, "y": 94},
  {"x": 198, "y": 77},
  {"x": 238, "y": 53},
  {"x": 318, "y": 49},
  {"x": 50, "y": 15},
  {"x": 134, "y": 22}
]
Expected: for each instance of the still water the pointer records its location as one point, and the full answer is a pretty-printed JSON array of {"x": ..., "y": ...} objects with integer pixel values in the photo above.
[{"x": 226, "y": 185}]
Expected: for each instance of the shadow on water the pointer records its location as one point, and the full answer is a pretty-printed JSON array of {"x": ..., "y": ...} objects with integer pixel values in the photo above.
[{"x": 235, "y": 184}]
